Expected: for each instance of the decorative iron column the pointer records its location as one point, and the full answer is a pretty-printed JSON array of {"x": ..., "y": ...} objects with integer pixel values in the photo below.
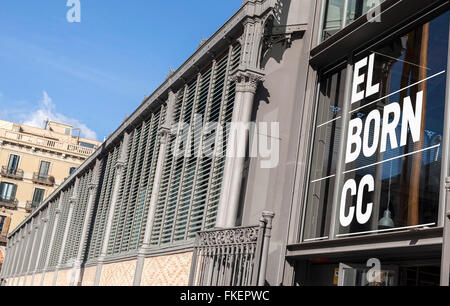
[
  {"x": 93, "y": 185},
  {"x": 19, "y": 255},
  {"x": 33, "y": 249},
  {"x": 12, "y": 261},
  {"x": 266, "y": 224},
  {"x": 120, "y": 166},
  {"x": 72, "y": 202},
  {"x": 58, "y": 212},
  {"x": 247, "y": 81},
  {"x": 28, "y": 232},
  {"x": 164, "y": 134}
]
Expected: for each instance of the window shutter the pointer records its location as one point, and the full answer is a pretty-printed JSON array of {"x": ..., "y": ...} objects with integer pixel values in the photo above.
[{"x": 6, "y": 223}]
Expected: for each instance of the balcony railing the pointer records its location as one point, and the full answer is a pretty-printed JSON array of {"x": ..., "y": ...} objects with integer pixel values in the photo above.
[
  {"x": 16, "y": 174},
  {"x": 3, "y": 239},
  {"x": 232, "y": 257},
  {"x": 45, "y": 142},
  {"x": 43, "y": 179},
  {"x": 8, "y": 203},
  {"x": 31, "y": 206}
]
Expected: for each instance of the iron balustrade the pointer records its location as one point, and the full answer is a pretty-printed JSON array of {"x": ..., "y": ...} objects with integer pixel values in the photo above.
[
  {"x": 12, "y": 173},
  {"x": 31, "y": 205},
  {"x": 8, "y": 202},
  {"x": 43, "y": 179},
  {"x": 233, "y": 256}
]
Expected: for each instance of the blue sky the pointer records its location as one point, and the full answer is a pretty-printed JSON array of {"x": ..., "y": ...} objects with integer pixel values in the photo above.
[{"x": 94, "y": 73}]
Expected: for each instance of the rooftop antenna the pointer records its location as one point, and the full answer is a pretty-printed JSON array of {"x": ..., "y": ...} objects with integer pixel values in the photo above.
[{"x": 46, "y": 122}]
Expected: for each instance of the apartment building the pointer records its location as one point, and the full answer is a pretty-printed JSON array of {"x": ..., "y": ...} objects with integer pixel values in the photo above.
[
  {"x": 34, "y": 162},
  {"x": 359, "y": 90}
]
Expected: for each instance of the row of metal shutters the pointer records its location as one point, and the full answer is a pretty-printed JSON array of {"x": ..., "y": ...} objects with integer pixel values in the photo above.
[
  {"x": 135, "y": 188},
  {"x": 46, "y": 242},
  {"x": 101, "y": 211},
  {"x": 77, "y": 220},
  {"x": 191, "y": 180},
  {"x": 61, "y": 226},
  {"x": 190, "y": 185}
]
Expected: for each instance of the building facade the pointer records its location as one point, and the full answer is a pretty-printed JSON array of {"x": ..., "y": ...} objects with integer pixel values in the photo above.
[
  {"x": 348, "y": 151},
  {"x": 34, "y": 162}
]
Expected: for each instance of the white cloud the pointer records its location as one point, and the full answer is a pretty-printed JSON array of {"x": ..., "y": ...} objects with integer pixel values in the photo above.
[{"x": 47, "y": 111}]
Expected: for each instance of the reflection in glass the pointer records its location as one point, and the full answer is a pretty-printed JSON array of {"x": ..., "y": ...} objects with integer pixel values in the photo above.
[
  {"x": 335, "y": 10},
  {"x": 407, "y": 178},
  {"x": 326, "y": 144}
]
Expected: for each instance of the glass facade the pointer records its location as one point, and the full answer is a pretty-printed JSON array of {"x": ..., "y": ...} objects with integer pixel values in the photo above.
[
  {"x": 339, "y": 13},
  {"x": 393, "y": 151}
]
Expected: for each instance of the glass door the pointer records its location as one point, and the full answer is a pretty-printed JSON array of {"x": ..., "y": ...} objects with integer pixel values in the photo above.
[
  {"x": 44, "y": 169},
  {"x": 353, "y": 275},
  {"x": 13, "y": 164}
]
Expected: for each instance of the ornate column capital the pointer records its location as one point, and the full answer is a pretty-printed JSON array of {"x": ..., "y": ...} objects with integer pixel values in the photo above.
[
  {"x": 92, "y": 186},
  {"x": 120, "y": 165},
  {"x": 447, "y": 183},
  {"x": 247, "y": 80},
  {"x": 73, "y": 201},
  {"x": 164, "y": 132}
]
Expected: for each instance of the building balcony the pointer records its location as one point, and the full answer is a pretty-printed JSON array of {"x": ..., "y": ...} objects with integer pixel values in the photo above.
[
  {"x": 3, "y": 239},
  {"x": 16, "y": 174},
  {"x": 41, "y": 179},
  {"x": 8, "y": 203},
  {"x": 47, "y": 143},
  {"x": 31, "y": 206}
]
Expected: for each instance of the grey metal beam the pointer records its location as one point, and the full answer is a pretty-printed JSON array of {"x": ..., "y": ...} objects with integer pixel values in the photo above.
[
  {"x": 93, "y": 188},
  {"x": 33, "y": 247},
  {"x": 164, "y": 137},
  {"x": 120, "y": 165},
  {"x": 72, "y": 202},
  {"x": 58, "y": 212}
]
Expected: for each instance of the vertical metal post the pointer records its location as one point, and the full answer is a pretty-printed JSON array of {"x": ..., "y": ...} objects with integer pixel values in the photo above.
[
  {"x": 72, "y": 202},
  {"x": 268, "y": 218},
  {"x": 120, "y": 165},
  {"x": 52, "y": 240},
  {"x": 194, "y": 262},
  {"x": 164, "y": 134},
  {"x": 28, "y": 231},
  {"x": 445, "y": 264},
  {"x": 33, "y": 248},
  {"x": 93, "y": 185}
]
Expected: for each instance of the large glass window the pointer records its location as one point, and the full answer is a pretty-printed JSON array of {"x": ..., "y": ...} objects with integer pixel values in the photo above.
[
  {"x": 340, "y": 13},
  {"x": 13, "y": 164},
  {"x": 7, "y": 192},
  {"x": 392, "y": 157},
  {"x": 324, "y": 158}
]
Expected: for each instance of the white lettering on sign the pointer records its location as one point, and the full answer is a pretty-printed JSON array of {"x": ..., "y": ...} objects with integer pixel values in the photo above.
[
  {"x": 361, "y": 216},
  {"x": 372, "y": 135}
]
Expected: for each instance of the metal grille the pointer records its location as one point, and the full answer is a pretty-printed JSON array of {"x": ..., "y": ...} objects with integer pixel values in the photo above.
[
  {"x": 107, "y": 178},
  {"x": 232, "y": 257},
  {"x": 227, "y": 257},
  {"x": 185, "y": 202},
  {"x": 54, "y": 257},
  {"x": 46, "y": 239},
  {"x": 76, "y": 224},
  {"x": 132, "y": 207}
]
